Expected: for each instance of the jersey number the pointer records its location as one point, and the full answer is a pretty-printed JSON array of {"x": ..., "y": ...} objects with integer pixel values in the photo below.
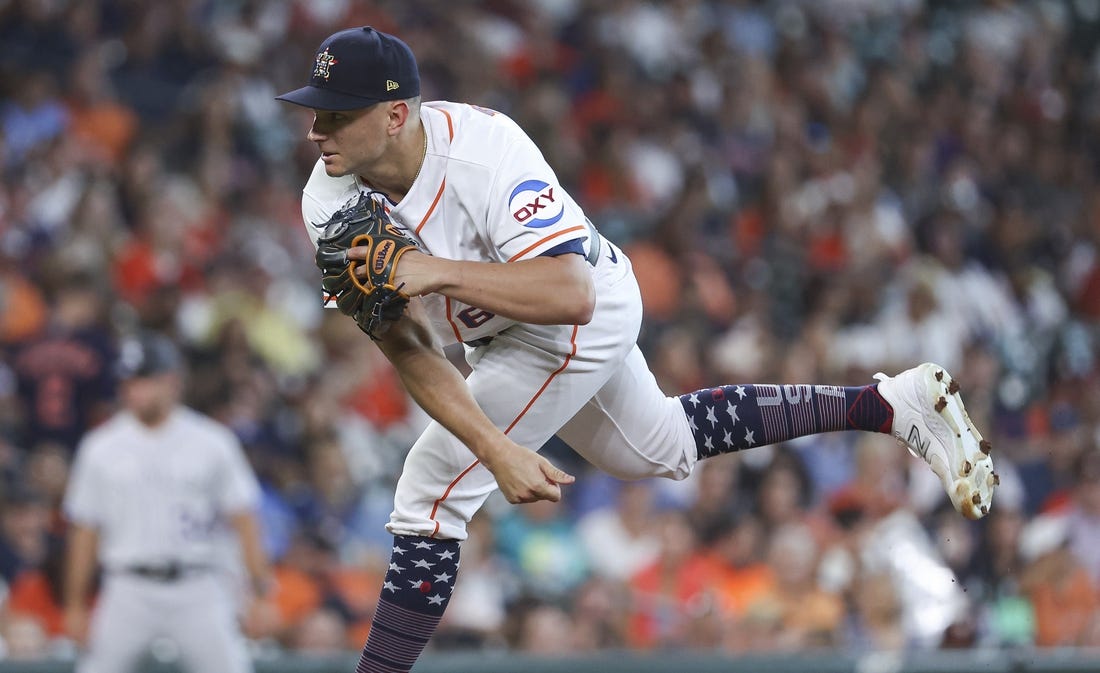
[{"x": 475, "y": 317}]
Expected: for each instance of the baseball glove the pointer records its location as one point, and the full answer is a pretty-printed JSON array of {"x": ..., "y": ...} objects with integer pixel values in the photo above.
[{"x": 374, "y": 302}]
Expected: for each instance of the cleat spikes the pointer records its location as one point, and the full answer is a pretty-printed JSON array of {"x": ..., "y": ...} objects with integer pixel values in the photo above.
[{"x": 929, "y": 417}]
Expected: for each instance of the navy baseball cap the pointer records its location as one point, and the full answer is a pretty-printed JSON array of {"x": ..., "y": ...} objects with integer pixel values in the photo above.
[
  {"x": 357, "y": 68},
  {"x": 147, "y": 354}
]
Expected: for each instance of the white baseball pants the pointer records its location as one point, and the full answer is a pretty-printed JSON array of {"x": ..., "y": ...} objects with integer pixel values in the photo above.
[
  {"x": 195, "y": 611},
  {"x": 588, "y": 384}
]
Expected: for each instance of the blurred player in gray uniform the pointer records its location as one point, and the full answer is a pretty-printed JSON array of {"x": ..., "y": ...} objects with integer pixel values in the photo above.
[{"x": 155, "y": 494}]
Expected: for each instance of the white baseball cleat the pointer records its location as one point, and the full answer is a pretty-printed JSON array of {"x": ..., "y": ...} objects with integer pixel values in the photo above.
[{"x": 930, "y": 419}]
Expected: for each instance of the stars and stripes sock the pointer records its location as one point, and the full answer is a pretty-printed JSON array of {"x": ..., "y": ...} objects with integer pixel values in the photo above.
[
  {"x": 732, "y": 418},
  {"x": 414, "y": 595}
]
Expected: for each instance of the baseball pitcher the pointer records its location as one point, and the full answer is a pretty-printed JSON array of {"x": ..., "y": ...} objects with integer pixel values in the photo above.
[{"x": 442, "y": 222}]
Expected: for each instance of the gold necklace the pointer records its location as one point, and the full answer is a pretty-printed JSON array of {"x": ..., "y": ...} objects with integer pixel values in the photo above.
[{"x": 424, "y": 154}]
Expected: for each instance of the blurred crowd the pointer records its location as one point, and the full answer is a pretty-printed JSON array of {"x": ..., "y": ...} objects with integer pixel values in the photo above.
[{"x": 810, "y": 192}]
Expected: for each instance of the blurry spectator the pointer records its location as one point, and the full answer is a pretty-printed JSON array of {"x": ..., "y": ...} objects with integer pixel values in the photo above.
[
  {"x": 676, "y": 362},
  {"x": 37, "y": 593},
  {"x": 24, "y": 532},
  {"x": 544, "y": 630},
  {"x": 881, "y": 535},
  {"x": 930, "y": 596},
  {"x": 32, "y": 117},
  {"x": 994, "y": 580},
  {"x": 599, "y": 621},
  {"x": 298, "y": 591},
  {"x": 919, "y": 327},
  {"x": 875, "y": 625},
  {"x": 352, "y": 594},
  {"x": 955, "y": 538},
  {"x": 796, "y": 614},
  {"x": 878, "y": 484},
  {"x": 841, "y": 566},
  {"x": 279, "y": 475},
  {"x": 829, "y": 460},
  {"x": 65, "y": 376},
  {"x": 671, "y": 600},
  {"x": 543, "y": 547},
  {"x": 1083, "y": 514},
  {"x": 784, "y": 496},
  {"x": 46, "y": 470},
  {"x": 334, "y": 504},
  {"x": 310, "y": 580},
  {"x": 23, "y": 638},
  {"x": 1059, "y": 587},
  {"x": 98, "y": 121},
  {"x": 166, "y": 247},
  {"x": 619, "y": 541},
  {"x": 322, "y": 632},
  {"x": 972, "y": 296},
  {"x": 736, "y": 544},
  {"x": 1049, "y": 473},
  {"x": 476, "y": 616},
  {"x": 23, "y": 313},
  {"x": 720, "y": 488}
]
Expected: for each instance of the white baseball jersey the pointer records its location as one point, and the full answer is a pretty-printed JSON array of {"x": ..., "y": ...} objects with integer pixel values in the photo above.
[
  {"x": 504, "y": 205},
  {"x": 159, "y": 496},
  {"x": 486, "y": 194}
]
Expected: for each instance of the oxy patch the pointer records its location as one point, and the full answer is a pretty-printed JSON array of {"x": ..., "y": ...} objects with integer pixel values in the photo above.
[{"x": 536, "y": 204}]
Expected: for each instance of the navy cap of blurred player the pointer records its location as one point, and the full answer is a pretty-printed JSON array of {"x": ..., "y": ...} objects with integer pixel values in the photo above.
[
  {"x": 147, "y": 354},
  {"x": 357, "y": 68}
]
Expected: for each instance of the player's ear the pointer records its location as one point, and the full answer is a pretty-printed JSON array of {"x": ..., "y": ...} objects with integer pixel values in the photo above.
[{"x": 398, "y": 115}]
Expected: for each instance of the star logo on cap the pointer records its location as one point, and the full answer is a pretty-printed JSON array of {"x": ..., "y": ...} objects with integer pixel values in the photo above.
[{"x": 325, "y": 61}]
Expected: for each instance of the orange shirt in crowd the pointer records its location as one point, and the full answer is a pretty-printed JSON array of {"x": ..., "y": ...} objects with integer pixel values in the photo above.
[
  {"x": 31, "y": 596},
  {"x": 664, "y": 600},
  {"x": 296, "y": 595},
  {"x": 106, "y": 128},
  {"x": 1063, "y": 609},
  {"x": 738, "y": 588}
]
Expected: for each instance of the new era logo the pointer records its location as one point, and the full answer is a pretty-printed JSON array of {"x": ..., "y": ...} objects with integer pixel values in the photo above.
[{"x": 391, "y": 85}]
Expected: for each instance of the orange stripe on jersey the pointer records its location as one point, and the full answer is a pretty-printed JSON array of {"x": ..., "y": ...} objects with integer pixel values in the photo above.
[
  {"x": 530, "y": 403},
  {"x": 531, "y": 247},
  {"x": 431, "y": 209},
  {"x": 458, "y": 335},
  {"x": 559, "y": 370},
  {"x": 450, "y": 123},
  {"x": 447, "y": 493}
]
